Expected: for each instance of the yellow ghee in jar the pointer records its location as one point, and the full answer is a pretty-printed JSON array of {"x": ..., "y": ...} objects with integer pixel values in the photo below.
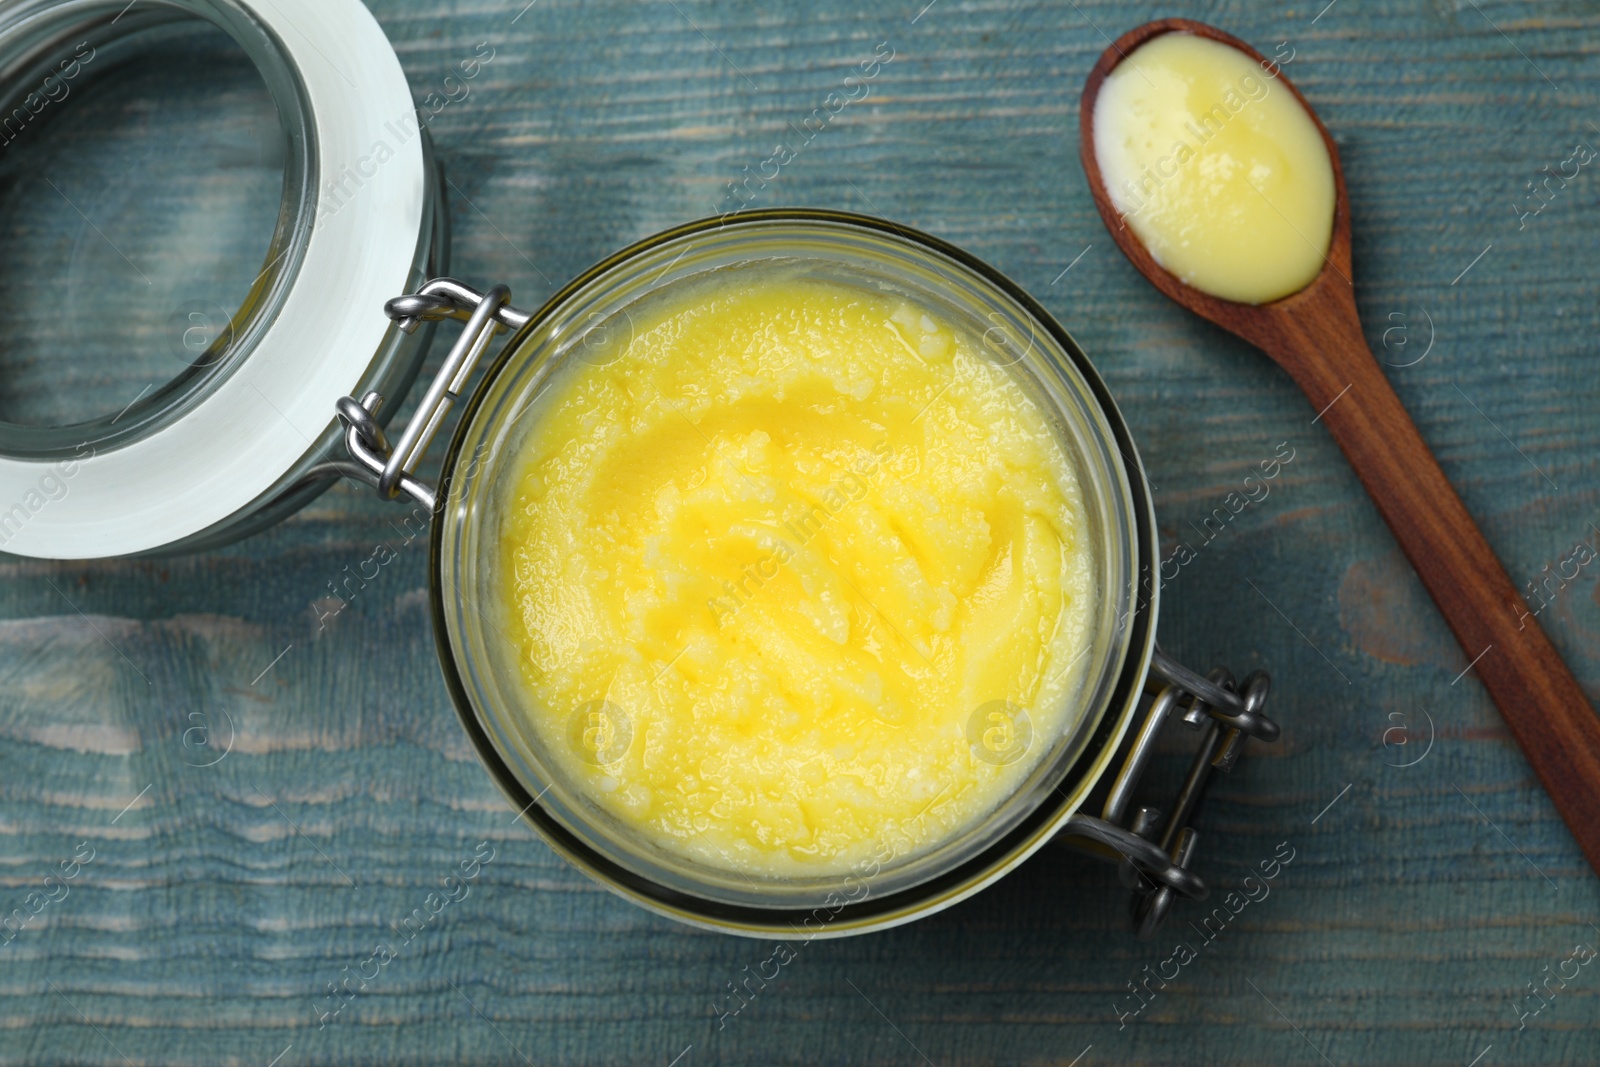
[
  {"x": 1220, "y": 172},
  {"x": 799, "y": 574}
]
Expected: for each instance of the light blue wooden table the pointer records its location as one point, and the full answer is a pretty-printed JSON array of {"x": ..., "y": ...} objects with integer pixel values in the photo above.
[{"x": 221, "y": 900}]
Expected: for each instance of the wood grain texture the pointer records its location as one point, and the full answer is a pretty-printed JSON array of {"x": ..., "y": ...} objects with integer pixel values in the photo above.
[
  {"x": 1418, "y": 905},
  {"x": 1315, "y": 335}
]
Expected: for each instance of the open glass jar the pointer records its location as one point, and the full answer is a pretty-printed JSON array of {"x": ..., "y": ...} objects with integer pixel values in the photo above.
[
  {"x": 248, "y": 434},
  {"x": 482, "y": 664}
]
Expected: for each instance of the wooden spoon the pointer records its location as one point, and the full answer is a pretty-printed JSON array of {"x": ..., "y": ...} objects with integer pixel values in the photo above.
[{"x": 1315, "y": 335}]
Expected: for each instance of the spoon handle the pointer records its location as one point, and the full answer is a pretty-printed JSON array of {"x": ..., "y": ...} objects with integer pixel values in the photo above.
[{"x": 1538, "y": 697}]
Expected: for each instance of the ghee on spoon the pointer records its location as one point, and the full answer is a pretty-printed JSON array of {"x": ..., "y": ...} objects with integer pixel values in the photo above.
[
  {"x": 1230, "y": 200},
  {"x": 1217, "y": 167}
]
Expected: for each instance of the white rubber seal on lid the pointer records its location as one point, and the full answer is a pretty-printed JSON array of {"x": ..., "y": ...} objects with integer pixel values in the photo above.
[{"x": 247, "y": 433}]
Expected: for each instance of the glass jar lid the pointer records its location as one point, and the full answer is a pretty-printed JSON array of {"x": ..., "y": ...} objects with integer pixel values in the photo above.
[{"x": 229, "y": 443}]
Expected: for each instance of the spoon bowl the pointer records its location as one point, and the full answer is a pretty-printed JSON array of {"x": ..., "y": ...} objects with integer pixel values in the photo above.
[
  {"x": 1315, "y": 335},
  {"x": 1260, "y": 324}
]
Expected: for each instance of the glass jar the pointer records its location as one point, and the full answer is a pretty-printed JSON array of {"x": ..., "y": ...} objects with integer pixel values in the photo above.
[{"x": 482, "y": 666}]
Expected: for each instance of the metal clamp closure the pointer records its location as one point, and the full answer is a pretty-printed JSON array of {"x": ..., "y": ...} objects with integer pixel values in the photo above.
[
  {"x": 1154, "y": 851},
  {"x": 392, "y": 470}
]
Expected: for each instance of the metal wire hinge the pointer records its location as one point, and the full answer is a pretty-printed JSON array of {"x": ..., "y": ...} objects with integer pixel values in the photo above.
[
  {"x": 392, "y": 470},
  {"x": 1153, "y": 850}
]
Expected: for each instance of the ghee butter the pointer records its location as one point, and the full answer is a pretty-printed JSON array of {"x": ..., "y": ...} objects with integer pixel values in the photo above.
[
  {"x": 1220, "y": 171},
  {"x": 799, "y": 574}
]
